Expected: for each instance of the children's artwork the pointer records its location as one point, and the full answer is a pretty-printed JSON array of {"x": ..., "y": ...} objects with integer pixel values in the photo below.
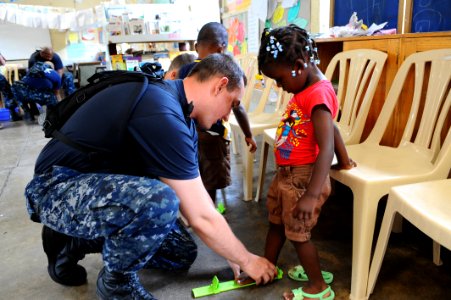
[
  {"x": 90, "y": 35},
  {"x": 280, "y": 14},
  {"x": 293, "y": 12},
  {"x": 236, "y": 29},
  {"x": 233, "y": 6}
]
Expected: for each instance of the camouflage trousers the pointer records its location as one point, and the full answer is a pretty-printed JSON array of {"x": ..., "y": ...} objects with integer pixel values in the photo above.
[
  {"x": 8, "y": 96},
  {"x": 136, "y": 216},
  {"x": 68, "y": 84},
  {"x": 25, "y": 94}
]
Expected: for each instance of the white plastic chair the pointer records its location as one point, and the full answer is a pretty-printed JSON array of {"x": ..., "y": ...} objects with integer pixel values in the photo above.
[
  {"x": 258, "y": 122},
  {"x": 420, "y": 155},
  {"x": 12, "y": 72},
  {"x": 427, "y": 206},
  {"x": 359, "y": 73},
  {"x": 249, "y": 65}
]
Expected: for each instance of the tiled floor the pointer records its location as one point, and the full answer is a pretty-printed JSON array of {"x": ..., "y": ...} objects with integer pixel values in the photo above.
[{"x": 407, "y": 272}]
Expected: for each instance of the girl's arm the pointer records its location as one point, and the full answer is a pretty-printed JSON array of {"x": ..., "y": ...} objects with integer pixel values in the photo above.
[
  {"x": 243, "y": 122},
  {"x": 324, "y": 133},
  {"x": 344, "y": 161}
]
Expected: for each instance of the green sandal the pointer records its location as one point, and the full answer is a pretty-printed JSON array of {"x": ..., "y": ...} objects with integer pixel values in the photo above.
[
  {"x": 298, "y": 273},
  {"x": 299, "y": 294}
]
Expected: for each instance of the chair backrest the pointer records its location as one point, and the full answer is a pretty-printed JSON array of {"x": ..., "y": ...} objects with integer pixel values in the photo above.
[
  {"x": 359, "y": 72},
  {"x": 249, "y": 65},
  {"x": 429, "y": 114}
]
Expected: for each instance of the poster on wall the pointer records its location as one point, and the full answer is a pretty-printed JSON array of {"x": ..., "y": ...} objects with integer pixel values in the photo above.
[
  {"x": 282, "y": 13},
  {"x": 245, "y": 27},
  {"x": 237, "y": 34},
  {"x": 235, "y": 6}
]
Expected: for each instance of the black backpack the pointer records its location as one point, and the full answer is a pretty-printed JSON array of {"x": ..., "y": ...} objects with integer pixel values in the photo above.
[{"x": 58, "y": 115}]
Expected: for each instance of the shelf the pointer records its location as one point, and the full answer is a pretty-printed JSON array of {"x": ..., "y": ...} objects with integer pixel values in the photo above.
[{"x": 151, "y": 38}]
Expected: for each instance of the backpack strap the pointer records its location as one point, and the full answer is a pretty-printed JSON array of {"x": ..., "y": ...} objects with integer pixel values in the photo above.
[{"x": 136, "y": 94}]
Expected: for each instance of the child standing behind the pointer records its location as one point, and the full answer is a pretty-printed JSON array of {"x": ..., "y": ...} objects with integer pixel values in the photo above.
[
  {"x": 213, "y": 145},
  {"x": 305, "y": 143}
]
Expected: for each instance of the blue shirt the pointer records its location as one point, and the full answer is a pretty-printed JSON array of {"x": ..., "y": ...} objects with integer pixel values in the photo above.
[
  {"x": 50, "y": 81},
  {"x": 158, "y": 139}
]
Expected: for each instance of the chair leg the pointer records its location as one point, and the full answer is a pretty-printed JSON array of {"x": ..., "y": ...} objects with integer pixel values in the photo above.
[
  {"x": 436, "y": 253},
  {"x": 262, "y": 170},
  {"x": 235, "y": 137},
  {"x": 397, "y": 224},
  {"x": 381, "y": 247},
  {"x": 364, "y": 219},
  {"x": 248, "y": 165}
]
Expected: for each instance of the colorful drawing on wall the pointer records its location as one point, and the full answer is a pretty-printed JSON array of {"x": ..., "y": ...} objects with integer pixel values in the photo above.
[
  {"x": 282, "y": 16},
  {"x": 232, "y": 6},
  {"x": 293, "y": 12},
  {"x": 237, "y": 35},
  {"x": 90, "y": 35},
  {"x": 278, "y": 14}
]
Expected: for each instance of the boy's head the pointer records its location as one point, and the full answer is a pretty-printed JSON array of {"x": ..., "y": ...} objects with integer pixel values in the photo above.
[
  {"x": 177, "y": 63},
  {"x": 212, "y": 38}
]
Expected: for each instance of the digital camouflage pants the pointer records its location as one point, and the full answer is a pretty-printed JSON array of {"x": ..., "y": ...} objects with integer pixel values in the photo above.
[
  {"x": 8, "y": 96},
  {"x": 136, "y": 216}
]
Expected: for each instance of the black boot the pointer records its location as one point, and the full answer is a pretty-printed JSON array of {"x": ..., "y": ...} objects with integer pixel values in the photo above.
[
  {"x": 120, "y": 286},
  {"x": 14, "y": 115},
  {"x": 64, "y": 252}
]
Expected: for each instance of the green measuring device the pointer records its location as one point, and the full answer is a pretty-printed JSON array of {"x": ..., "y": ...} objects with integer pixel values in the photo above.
[{"x": 217, "y": 287}]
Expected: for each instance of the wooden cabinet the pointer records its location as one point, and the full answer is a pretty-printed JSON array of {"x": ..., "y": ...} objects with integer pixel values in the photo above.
[{"x": 398, "y": 47}]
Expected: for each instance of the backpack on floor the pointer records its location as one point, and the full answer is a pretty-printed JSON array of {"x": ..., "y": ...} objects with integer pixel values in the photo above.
[{"x": 58, "y": 115}]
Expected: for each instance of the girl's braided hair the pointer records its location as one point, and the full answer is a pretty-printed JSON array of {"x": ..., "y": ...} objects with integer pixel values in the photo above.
[{"x": 286, "y": 45}]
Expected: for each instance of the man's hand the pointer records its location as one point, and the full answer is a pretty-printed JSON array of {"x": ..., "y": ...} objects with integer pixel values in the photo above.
[
  {"x": 252, "y": 143},
  {"x": 260, "y": 269},
  {"x": 235, "y": 268}
]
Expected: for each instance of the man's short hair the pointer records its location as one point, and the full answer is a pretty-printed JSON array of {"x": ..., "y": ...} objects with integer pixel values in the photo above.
[
  {"x": 213, "y": 33},
  {"x": 181, "y": 60},
  {"x": 219, "y": 64}
]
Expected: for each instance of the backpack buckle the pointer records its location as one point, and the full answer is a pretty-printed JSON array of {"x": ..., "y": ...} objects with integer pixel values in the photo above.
[{"x": 80, "y": 98}]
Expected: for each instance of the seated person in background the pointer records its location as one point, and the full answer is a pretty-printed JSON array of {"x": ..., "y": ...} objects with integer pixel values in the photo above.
[
  {"x": 8, "y": 97},
  {"x": 178, "y": 62},
  {"x": 47, "y": 54},
  {"x": 40, "y": 85}
]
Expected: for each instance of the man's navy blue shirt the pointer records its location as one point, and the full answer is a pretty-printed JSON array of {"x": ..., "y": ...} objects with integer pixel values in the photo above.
[{"x": 159, "y": 139}]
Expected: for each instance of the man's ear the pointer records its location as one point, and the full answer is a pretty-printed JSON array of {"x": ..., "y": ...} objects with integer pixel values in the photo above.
[
  {"x": 221, "y": 84},
  {"x": 171, "y": 75}
]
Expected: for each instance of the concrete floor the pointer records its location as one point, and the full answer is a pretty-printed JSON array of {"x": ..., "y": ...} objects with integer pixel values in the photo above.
[{"x": 407, "y": 272}]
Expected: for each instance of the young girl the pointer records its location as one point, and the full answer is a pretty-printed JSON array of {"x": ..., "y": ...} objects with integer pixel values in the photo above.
[{"x": 304, "y": 149}]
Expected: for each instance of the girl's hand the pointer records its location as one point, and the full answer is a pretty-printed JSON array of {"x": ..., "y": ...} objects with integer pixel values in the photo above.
[
  {"x": 250, "y": 142},
  {"x": 303, "y": 210},
  {"x": 344, "y": 165}
]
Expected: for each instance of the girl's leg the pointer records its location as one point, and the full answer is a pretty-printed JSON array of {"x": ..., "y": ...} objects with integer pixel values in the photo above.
[
  {"x": 308, "y": 257},
  {"x": 274, "y": 242}
]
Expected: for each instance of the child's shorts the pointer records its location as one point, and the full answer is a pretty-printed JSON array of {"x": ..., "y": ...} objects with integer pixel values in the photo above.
[
  {"x": 214, "y": 160},
  {"x": 287, "y": 187}
]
